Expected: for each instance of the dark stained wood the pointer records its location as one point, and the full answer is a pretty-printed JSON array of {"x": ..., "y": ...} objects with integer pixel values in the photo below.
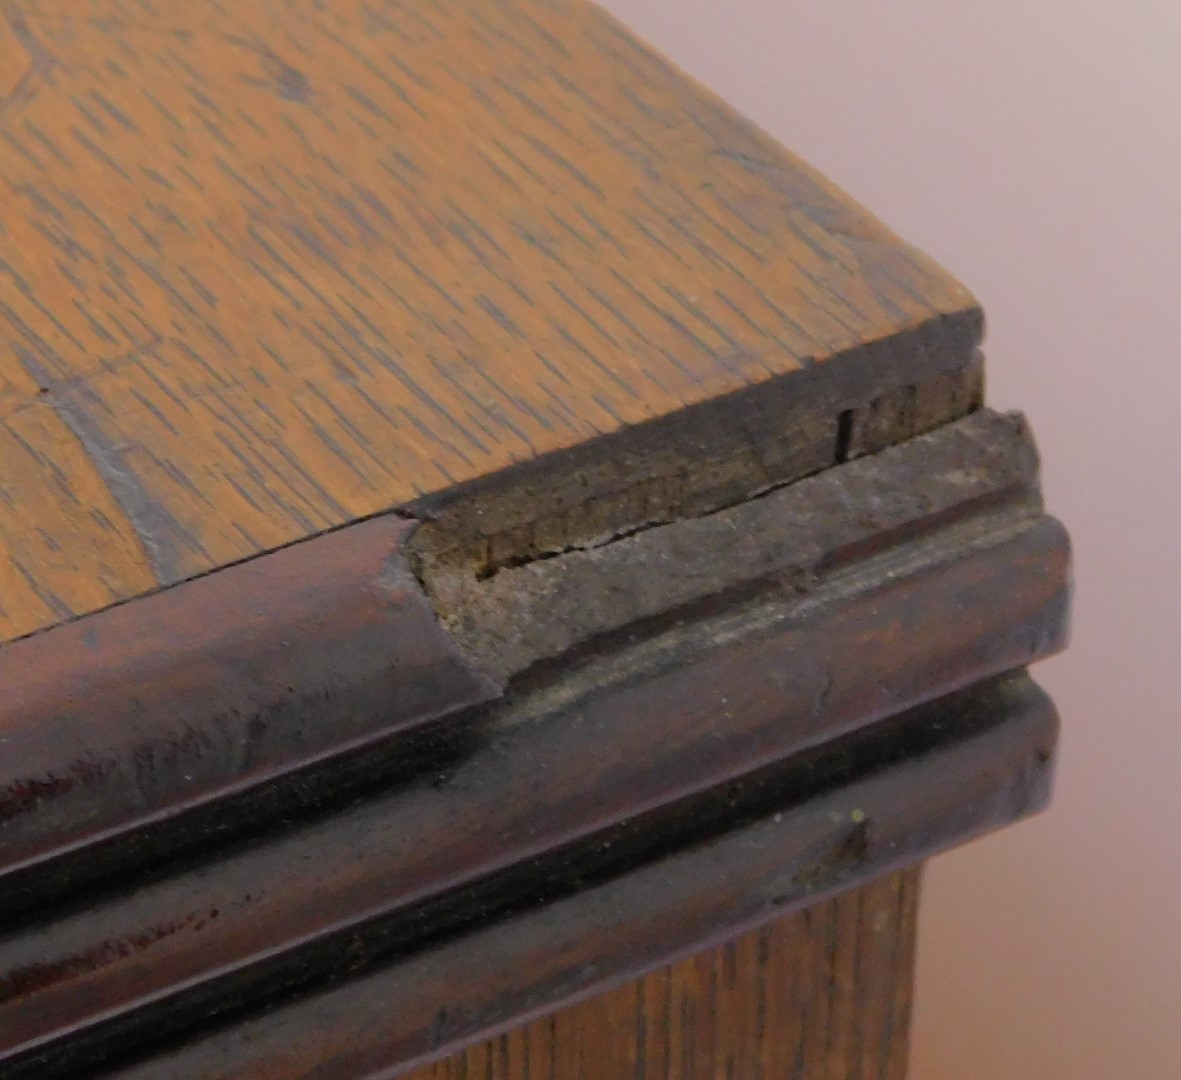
[
  {"x": 790, "y": 836},
  {"x": 270, "y": 267},
  {"x": 151, "y": 710},
  {"x": 824, "y": 994},
  {"x": 834, "y": 637}
]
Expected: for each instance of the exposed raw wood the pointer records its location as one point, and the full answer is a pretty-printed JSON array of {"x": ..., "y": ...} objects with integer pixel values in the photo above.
[{"x": 508, "y": 620}]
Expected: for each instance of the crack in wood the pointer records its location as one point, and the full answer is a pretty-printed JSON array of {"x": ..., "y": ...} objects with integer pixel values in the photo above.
[{"x": 511, "y": 619}]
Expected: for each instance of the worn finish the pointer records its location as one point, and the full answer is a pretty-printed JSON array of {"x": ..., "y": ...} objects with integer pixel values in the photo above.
[
  {"x": 824, "y": 994},
  {"x": 632, "y": 732},
  {"x": 266, "y": 268},
  {"x": 720, "y": 453},
  {"x": 156, "y": 708},
  {"x": 508, "y": 620},
  {"x": 784, "y": 838}
]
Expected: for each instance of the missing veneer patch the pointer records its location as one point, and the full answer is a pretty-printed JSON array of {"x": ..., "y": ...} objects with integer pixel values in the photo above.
[{"x": 510, "y": 619}]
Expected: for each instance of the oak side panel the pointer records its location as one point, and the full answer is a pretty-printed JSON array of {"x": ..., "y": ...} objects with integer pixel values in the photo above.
[
  {"x": 824, "y": 994},
  {"x": 267, "y": 267}
]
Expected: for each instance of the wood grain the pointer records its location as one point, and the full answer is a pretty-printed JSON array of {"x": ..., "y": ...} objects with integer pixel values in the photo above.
[
  {"x": 540, "y": 375},
  {"x": 824, "y": 994},
  {"x": 269, "y": 267}
]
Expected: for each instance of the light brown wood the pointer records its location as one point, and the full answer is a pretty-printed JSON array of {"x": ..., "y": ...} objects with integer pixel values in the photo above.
[
  {"x": 821, "y": 995},
  {"x": 266, "y": 268}
]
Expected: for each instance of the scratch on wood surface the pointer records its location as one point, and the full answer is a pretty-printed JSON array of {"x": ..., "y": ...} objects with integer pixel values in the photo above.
[{"x": 157, "y": 529}]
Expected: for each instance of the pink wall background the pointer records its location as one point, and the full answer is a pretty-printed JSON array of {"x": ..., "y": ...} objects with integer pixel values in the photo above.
[{"x": 1034, "y": 147}]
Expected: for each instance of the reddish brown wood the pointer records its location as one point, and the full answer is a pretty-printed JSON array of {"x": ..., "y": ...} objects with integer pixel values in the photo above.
[
  {"x": 786, "y": 837},
  {"x": 119, "y": 722}
]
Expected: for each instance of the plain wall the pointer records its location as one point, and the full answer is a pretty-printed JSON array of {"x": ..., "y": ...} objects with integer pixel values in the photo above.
[{"x": 1034, "y": 147}]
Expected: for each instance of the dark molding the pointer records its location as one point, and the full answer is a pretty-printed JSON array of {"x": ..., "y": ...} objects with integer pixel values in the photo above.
[
  {"x": 171, "y": 722},
  {"x": 159, "y": 708},
  {"x": 885, "y": 798},
  {"x": 318, "y": 768},
  {"x": 647, "y": 734}
]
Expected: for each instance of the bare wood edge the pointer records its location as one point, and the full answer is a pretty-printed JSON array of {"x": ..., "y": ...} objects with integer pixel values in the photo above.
[
  {"x": 631, "y": 736},
  {"x": 713, "y": 454},
  {"x": 940, "y": 775},
  {"x": 509, "y": 621},
  {"x": 149, "y": 728}
]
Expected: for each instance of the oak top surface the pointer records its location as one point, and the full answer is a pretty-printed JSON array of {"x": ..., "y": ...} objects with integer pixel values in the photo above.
[{"x": 269, "y": 267}]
